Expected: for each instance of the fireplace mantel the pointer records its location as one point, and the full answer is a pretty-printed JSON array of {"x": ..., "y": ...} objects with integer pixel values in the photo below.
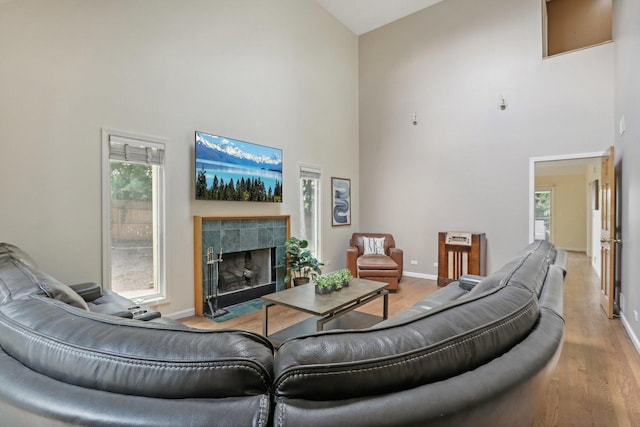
[{"x": 234, "y": 234}]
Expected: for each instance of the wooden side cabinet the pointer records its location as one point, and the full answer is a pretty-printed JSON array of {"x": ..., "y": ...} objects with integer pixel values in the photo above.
[{"x": 461, "y": 252}]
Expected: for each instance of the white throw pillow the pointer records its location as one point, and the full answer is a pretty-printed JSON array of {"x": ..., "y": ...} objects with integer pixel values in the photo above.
[{"x": 373, "y": 245}]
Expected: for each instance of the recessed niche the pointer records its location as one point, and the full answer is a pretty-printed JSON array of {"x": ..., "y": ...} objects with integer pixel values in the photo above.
[{"x": 570, "y": 25}]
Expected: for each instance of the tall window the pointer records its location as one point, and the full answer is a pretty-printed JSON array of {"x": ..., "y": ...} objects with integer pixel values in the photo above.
[
  {"x": 310, "y": 207},
  {"x": 133, "y": 215}
]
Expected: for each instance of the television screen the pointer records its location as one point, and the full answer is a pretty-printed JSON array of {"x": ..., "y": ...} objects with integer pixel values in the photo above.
[{"x": 228, "y": 169}]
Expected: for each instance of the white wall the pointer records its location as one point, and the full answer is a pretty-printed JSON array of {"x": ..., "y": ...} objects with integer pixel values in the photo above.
[
  {"x": 282, "y": 73},
  {"x": 626, "y": 25},
  {"x": 465, "y": 165},
  {"x": 568, "y": 210}
]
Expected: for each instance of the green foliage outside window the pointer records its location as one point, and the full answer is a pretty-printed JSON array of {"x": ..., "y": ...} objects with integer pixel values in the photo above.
[
  {"x": 131, "y": 181},
  {"x": 543, "y": 204}
]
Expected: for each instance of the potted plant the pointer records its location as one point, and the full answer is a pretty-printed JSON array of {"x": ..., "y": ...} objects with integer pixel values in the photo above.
[
  {"x": 323, "y": 284},
  {"x": 300, "y": 263},
  {"x": 336, "y": 281},
  {"x": 344, "y": 276}
]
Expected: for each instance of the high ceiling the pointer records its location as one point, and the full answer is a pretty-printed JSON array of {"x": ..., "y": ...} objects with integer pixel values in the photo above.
[{"x": 362, "y": 16}]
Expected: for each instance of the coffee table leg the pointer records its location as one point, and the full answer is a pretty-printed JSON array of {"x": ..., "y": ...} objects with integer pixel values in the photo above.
[
  {"x": 385, "y": 306},
  {"x": 265, "y": 319}
]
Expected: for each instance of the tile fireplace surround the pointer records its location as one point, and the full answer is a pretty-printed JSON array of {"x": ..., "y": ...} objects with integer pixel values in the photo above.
[{"x": 235, "y": 234}]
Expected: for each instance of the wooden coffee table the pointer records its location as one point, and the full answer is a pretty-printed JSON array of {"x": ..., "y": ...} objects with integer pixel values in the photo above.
[{"x": 334, "y": 310}]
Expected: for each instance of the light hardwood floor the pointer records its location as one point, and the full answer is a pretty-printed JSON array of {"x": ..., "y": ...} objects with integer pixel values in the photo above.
[{"x": 597, "y": 381}]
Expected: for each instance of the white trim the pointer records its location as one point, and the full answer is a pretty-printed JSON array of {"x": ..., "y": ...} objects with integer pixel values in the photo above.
[
  {"x": 420, "y": 275},
  {"x": 532, "y": 178},
  {"x": 312, "y": 169},
  {"x": 154, "y": 141},
  {"x": 572, "y": 249},
  {"x": 191, "y": 312},
  {"x": 632, "y": 335},
  {"x": 105, "y": 212}
]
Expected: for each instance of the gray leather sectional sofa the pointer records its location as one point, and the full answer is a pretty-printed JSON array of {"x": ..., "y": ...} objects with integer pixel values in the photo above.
[{"x": 473, "y": 353}]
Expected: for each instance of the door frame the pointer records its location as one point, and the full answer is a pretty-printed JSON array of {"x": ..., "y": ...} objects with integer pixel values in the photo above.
[{"x": 532, "y": 178}]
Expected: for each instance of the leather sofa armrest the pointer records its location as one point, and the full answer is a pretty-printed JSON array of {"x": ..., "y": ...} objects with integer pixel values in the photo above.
[
  {"x": 112, "y": 309},
  {"x": 352, "y": 256},
  {"x": 561, "y": 260},
  {"x": 398, "y": 256},
  {"x": 468, "y": 281},
  {"x": 89, "y": 291}
]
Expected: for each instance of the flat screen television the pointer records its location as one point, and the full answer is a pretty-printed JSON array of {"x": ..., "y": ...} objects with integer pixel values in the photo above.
[{"x": 229, "y": 169}]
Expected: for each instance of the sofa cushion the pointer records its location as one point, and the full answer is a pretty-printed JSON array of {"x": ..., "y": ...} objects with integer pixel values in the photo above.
[
  {"x": 19, "y": 278},
  {"x": 133, "y": 357},
  {"x": 373, "y": 245},
  {"x": 358, "y": 242},
  {"x": 440, "y": 343},
  {"x": 8, "y": 250},
  {"x": 56, "y": 290},
  {"x": 528, "y": 270},
  {"x": 446, "y": 295},
  {"x": 376, "y": 262},
  {"x": 469, "y": 281},
  {"x": 28, "y": 398}
]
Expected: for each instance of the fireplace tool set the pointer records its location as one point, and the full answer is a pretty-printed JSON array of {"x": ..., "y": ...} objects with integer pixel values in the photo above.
[{"x": 212, "y": 288}]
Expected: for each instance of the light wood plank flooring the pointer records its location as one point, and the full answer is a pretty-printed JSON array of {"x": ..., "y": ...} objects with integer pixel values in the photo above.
[{"x": 597, "y": 381}]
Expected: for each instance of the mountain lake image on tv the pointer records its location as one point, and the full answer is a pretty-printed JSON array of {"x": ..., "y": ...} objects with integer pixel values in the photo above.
[{"x": 228, "y": 169}]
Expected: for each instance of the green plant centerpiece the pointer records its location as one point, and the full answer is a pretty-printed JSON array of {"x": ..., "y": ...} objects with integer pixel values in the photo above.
[
  {"x": 344, "y": 275},
  {"x": 301, "y": 265},
  {"x": 335, "y": 281},
  {"x": 323, "y": 284}
]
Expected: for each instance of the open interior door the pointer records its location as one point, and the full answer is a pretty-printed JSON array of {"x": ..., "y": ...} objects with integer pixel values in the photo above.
[{"x": 607, "y": 235}]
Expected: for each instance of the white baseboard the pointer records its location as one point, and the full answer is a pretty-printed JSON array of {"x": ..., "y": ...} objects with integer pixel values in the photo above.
[
  {"x": 632, "y": 335},
  {"x": 570, "y": 249},
  {"x": 181, "y": 314},
  {"x": 420, "y": 275}
]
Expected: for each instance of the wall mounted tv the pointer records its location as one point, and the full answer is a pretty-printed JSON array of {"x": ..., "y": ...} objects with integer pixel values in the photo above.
[{"x": 228, "y": 169}]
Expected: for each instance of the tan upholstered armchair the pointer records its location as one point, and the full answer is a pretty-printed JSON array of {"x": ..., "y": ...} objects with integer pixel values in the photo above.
[{"x": 383, "y": 266}]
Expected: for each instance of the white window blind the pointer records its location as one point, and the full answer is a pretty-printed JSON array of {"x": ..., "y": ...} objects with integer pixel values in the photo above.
[
  {"x": 135, "y": 151},
  {"x": 309, "y": 173}
]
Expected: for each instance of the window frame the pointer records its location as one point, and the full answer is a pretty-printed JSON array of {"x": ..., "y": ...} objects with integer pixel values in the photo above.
[
  {"x": 159, "y": 204},
  {"x": 550, "y": 190},
  {"x": 312, "y": 172}
]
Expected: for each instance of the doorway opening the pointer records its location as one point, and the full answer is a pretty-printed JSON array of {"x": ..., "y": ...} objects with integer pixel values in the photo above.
[{"x": 561, "y": 200}]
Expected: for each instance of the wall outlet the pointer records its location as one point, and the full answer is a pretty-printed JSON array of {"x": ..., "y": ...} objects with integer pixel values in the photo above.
[
  {"x": 414, "y": 262},
  {"x": 435, "y": 264},
  {"x": 327, "y": 262},
  {"x": 635, "y": 314}
]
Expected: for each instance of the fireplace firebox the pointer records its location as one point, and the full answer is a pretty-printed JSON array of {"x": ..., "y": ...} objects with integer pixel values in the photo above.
[{"x": 245, "y": 275}]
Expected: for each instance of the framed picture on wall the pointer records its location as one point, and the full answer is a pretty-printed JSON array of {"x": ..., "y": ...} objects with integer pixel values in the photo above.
[{"x": 340, "y": 201}]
